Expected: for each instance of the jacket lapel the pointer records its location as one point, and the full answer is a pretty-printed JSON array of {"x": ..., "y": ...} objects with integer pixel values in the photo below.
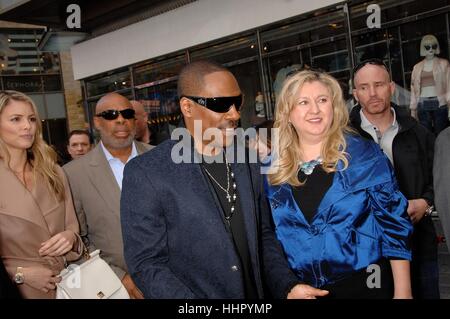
[
  {"x": 103, "y": 179},
  {"x": 17, "y": 201}
]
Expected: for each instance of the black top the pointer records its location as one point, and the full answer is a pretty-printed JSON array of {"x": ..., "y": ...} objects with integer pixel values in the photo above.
[
  {"x": 309, "y": 195},
  {"x": 236, "y": 223}
]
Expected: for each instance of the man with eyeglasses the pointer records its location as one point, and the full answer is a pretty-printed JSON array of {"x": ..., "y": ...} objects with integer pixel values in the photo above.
[
  {"x": 201, "y": 228},
  {"x": 96, "y": 182},
  {"x": 409, "y": 147}
]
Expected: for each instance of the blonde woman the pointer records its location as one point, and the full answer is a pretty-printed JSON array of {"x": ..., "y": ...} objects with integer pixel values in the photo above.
[
  {"x": 38, "y": 226},
  {"x": 337, "y": 209}
]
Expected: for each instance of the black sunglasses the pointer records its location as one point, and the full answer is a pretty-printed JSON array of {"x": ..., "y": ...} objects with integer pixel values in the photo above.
[
  {"x": 110, "y": 115},
  {"x": 428, "y": 46},
  {"x": 362, "y": 64},
  {"x": 218, "y": 104}
]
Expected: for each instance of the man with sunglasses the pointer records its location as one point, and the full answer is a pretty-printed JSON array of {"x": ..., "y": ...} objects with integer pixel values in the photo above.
[
  {"x": 201, "y": 229},
  {"x": 409, "y": 147},
  {"x": 96, "y": 182}
]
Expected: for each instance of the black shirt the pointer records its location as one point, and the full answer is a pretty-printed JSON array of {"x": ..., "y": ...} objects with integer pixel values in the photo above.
[
  {"x": 236, "y": 224},
  {"x": 309, "y": 195}
]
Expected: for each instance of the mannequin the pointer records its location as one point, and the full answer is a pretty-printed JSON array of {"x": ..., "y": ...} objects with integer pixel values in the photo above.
[
  {"x": 430, "y": 87},
  {"x": 259, "y": 105}
]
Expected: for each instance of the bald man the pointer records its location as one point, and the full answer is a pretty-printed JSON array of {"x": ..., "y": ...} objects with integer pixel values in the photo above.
[
  {"x": 96, "y": 182},
  {"x": 142, "y": 131}
]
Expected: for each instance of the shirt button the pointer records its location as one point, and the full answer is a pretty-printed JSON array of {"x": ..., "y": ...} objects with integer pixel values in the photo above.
[
  {"x": 234, "y": 268},
  {"x": 314, "y": 230}
]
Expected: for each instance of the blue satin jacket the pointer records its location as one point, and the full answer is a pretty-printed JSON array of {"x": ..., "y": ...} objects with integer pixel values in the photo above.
[{"x": 361, "y": 218}]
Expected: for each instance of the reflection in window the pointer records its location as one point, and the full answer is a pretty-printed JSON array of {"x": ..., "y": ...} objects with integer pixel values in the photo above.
[
  {"x": 161, "y": 103},
  {"x": 158, "y": 71},
  {"x": 115, "y": 82},
  {"x": 19, "y": 53},
  {"x": 232, "y": 50}
]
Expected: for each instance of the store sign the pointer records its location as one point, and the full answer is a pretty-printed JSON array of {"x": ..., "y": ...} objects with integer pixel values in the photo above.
[{"x": 23, "y": 84}]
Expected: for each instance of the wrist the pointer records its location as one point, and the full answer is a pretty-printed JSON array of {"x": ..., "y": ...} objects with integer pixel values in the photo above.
[
  {"x": 19, "y": 277},
  {"x": 429, "y": 209}
]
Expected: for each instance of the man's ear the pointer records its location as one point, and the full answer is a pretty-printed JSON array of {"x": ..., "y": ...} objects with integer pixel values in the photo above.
[
  {"x": 392, "y": 87},
  {"x": 186, "y": 107},
  {"x": 96, "y": 122},
  {"x": 355, "y": 95}
]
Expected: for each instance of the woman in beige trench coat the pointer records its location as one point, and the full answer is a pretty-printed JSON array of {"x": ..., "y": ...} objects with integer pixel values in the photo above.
[{"x": 38, "y": 225}]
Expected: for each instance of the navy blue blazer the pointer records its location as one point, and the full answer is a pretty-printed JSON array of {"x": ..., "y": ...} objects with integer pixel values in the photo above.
[
  {"x": 361, "y": 219},
  {"x": 176, "y": 244}
]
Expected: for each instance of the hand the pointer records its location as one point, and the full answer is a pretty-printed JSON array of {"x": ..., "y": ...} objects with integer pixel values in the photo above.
[
  {"x": 132, "y": 289},
  {"x": 41, "y": 278},
  {"x": 417, "y": 209},
  {"x": 414, "y": 114},
  {"x": 302, "y": 291},
  {"x": 59, "y": 244}
]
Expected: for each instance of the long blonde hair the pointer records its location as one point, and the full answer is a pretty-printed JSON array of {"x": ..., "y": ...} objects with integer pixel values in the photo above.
[
  {"x": 287, "y": 157},
  {"x": 41, "y": 156}
]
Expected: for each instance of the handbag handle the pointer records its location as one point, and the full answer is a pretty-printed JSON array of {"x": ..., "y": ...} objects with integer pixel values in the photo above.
[{"x": 85, "y": 253}]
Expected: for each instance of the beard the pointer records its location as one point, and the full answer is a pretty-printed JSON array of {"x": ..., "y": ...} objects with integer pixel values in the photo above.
[{"x": 117, "y": 143}]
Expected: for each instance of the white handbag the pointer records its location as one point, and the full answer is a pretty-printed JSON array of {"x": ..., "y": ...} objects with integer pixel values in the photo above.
[{"x": 93, "y": 279}]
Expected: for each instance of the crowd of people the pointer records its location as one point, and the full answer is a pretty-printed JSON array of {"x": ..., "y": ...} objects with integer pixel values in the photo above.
[{"x": 342, "y": 211}]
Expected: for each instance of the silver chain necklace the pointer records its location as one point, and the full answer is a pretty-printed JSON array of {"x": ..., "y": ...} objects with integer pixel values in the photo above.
[{"x": 231, "y": 193}]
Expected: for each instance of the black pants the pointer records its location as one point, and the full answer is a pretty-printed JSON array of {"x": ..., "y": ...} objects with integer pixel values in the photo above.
[{"x": 356, "y": 286}]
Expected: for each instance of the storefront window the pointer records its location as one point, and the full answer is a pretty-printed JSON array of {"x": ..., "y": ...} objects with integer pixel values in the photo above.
[
  {"x": 161, "y": 103},
  {"x": 157, "y": 71},
  {"x": 52, "y": 83},
  {"x": 240, "y": 56},
  {"x": 318, "y": 42},
  {"x": 399, "y": 44},
  {"x": 228, "y": 51},
  {"x": 117, "y": 81},
  {"x": 49, "y": 62}
]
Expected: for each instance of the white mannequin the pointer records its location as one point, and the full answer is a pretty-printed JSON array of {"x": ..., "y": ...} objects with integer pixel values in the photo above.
[
  {"x": 429, "y": 41},
  {"x": 439, "y": 89}
]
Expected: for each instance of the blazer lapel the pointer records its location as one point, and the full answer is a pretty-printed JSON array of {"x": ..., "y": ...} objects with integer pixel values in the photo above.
[
  {"x": 17, "y": 201},
  {"x": 103, "y": 179}
]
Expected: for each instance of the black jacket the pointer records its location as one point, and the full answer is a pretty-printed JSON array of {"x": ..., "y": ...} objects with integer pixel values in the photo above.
[{"x": 413, "y": 150}]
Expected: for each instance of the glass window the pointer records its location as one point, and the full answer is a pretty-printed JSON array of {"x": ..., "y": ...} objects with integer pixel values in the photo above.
[
  {"x": 318, "y": 41},
  {"x": 52, "y": 83},
  {"x": 240, "y": 56},
  {"x": 18, "y": 51},
  {"x": 55, "y": 106},
  {"x": 158, "y": 71},
  {"x": 49, "y": 62},
  {"x": 247, "y": 75},
  {"x": 229, "y": 51},
  {"x": 109, "y": 83},
  {"x": 38, "y": 99},
  {"x": 161, "y": 103}
]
